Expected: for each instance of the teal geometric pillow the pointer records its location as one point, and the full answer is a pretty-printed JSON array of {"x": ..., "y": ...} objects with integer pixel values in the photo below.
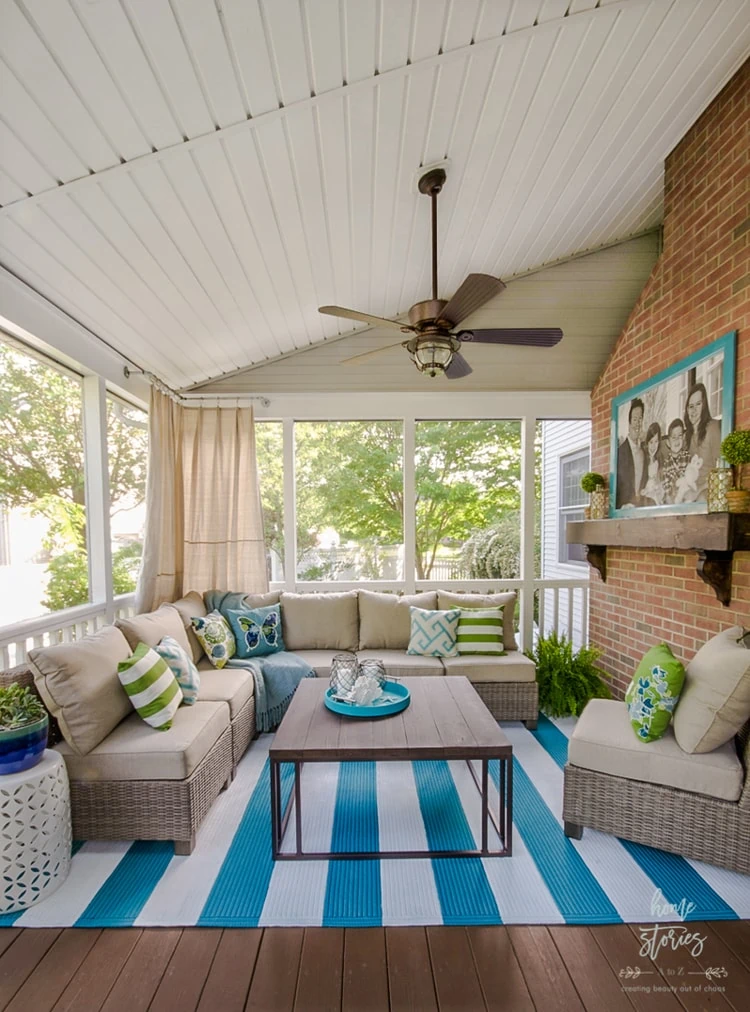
[
  {"x": 216, "y": 637},
  {"x": 257, "y": 632},
  {"x": 433, "y": 633},
  {"x": 182, "y": 667},
  {"x": 653, "y": 693}
]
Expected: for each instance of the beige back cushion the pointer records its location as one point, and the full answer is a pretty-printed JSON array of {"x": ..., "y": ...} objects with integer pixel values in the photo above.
[
  {"x": 506, "y": 601},
  {"x": 192, "y": 606},
  {"x": 79, "y": 685},
  {"x": 153, "y": 626},
  {"x": 320, "y": 621},
  {"x": 252, "y": 601},
  {"x": 384, "y": 618},
  {"x": 715, "y": 700}
]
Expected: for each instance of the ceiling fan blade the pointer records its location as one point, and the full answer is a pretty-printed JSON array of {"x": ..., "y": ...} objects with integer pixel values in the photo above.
[
  {"x": 475, "y": 290},
  {"x": 357, "y": 359},
  {"x": 535, "y": 337},
  {"x": 353, "y": 314},
  {"x": 458, "y": 368}
]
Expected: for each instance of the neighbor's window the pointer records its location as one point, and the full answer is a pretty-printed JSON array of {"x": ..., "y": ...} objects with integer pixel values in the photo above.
[
  {"x": 350, "y": 500},
  {"x": 572, "y": 501},
  {"x": 269, "y": 452},
  {"x": 127, "y": 447},
  {"x": 42, "y": 487},
  {"x": 468, "y": 490}
]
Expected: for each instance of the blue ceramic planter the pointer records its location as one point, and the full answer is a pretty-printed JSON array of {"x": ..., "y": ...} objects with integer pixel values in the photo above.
[{"x": 23, "y": 747}]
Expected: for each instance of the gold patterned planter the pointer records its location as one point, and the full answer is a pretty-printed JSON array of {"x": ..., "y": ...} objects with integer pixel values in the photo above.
[
  {"x": 599, "y": 504},
  {"x": 719, "y": 483}
]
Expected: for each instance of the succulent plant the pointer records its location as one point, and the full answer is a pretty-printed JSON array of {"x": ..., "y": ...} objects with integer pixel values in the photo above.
[
  {"x": 735, "y": 449},
  {"x": 19, "y": 707},
  {"x": 591, "y": 481}
]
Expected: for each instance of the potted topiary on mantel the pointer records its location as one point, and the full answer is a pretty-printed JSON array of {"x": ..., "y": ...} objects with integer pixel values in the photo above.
[
  {"x": 596, "y": 485},
  {"x": 735, "y": 449},
  {"x": 24, "y": 725}
]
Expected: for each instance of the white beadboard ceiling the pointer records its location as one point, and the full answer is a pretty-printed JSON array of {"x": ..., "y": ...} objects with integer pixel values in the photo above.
[{"x": 190, "y": 179}]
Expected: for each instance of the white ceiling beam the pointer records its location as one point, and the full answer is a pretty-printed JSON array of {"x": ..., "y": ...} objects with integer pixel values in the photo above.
[{"x": 328, "y": 96}]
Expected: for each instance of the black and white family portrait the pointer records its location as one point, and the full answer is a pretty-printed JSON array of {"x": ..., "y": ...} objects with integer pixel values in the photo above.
[{"x": 668, "y": 432}]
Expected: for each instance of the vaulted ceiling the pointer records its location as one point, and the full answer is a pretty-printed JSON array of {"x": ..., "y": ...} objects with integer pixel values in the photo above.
[{"x": 190, "y": 179}]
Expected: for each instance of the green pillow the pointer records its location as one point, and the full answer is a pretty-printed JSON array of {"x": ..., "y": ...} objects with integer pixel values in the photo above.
[
  {"x": 151, "y": 686},
  {"x": 653, "y": 693},
  {"x": 480, "y": 631}
]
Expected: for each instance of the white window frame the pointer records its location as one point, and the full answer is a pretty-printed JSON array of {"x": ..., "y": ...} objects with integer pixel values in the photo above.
[{"x": 564, "y": 511}]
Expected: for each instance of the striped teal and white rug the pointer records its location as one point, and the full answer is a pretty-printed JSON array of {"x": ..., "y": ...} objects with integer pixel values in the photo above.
[{"x": 230, "y": 879}]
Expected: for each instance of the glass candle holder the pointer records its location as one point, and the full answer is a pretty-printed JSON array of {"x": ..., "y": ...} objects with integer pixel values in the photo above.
[
  {"x": 344, "y": 672},
  {"x": 373, "y": 666}
]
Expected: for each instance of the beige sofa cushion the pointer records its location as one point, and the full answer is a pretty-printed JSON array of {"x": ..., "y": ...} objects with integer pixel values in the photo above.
[
  {"x": 603, "y": 741},
  {"x": 80, "y": 687},
  {"x": 513, "y": 667},
  {"x": 233, "y": 686},
  {"x": 319, "y": 660},
  {"x": 251, "y": 601},
  {"x": 506, "y": 601},
  {"x": 135, "y": 751},
  {"x": 151, "y": 627},
  {"x": 320, "y": 621},
  {"x": 192, "y": 606},
  {"x": 715, "y": 700},
  {"x": 384, "y": 618},
  {"x": 403, "y": 665}
]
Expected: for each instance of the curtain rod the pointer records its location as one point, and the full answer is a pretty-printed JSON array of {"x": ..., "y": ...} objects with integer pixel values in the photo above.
[{"x": 155, "y": 381}]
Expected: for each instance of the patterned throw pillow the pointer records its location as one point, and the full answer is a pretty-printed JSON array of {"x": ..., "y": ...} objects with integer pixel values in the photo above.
[
  {"x": 216, "y": 637},
  {"x": 480, "y": 631},
  {"x": 257, "y": 633},
  {"x": 433, "y": 633},
  {"x": 182, "y": 667},
  {"x": 653, "y": 693},
  {"x": 151, "y": 686}
]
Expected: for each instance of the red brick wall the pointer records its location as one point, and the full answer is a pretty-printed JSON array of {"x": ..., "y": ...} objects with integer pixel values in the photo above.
[{"x": 699, "y": 289}]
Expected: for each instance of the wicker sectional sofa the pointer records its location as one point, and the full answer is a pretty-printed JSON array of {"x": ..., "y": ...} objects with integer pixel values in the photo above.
[{"x": 130, "y": 782}]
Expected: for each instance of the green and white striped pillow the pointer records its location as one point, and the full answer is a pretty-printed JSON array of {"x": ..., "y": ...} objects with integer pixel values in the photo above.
[
  {"x": 151, "y": 686},
  {"x": 480, "y": 631}
]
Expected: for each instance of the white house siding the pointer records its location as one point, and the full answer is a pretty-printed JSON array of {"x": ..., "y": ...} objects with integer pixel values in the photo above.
[{"x": 560, "y": 438}]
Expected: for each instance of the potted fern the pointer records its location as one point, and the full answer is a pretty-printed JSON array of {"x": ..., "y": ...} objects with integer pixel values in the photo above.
[
  {"x": 596, "y": 485},
  {"x": 735, "y": 449},
  {"x": 567, "y": 678},
  {"x": 24, "y": 725}
]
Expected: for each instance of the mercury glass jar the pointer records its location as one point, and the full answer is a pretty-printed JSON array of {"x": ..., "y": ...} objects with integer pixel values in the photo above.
[
  {"x": 719, "y": 483},
  {"x": 599, "y": 504},
  {"x": 344, "y": 672}
]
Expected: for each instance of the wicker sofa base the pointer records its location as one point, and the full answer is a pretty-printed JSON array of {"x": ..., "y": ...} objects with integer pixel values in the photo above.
[
  {"x": 243, "y": 731},
  {"x": 511, "y": 700},
  {"x": 693, "y": 825},
  {"x": 152, "y": 809}
]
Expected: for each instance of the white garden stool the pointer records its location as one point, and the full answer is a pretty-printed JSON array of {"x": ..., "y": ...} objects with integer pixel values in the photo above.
[{"x": 35, "y": 835}]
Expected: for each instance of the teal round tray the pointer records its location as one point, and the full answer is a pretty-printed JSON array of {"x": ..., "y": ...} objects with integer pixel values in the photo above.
[{"x": 397, "y": 698}]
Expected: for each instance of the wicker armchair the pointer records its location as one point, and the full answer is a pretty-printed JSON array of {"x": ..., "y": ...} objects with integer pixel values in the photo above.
[{"x": 693, "y": 825}]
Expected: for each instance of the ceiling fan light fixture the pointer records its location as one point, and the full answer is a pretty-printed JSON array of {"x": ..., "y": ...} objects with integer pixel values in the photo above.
[{"x": 432, "y": 355}]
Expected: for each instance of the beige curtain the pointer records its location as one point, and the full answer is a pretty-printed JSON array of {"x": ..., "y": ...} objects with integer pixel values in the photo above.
[{"x": 204, "y": 525}]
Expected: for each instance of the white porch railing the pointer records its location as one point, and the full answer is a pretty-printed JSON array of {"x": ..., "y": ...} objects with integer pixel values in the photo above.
[
  {"x": 59, "y": 627},
  {"x": 556, "y": 605}
]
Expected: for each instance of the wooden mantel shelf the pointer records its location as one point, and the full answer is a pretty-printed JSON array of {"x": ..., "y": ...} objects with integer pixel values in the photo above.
[{"x": 714, "y": 536}]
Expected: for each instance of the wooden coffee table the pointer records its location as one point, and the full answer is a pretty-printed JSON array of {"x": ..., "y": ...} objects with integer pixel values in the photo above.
[{"x": 445, "y": 720}]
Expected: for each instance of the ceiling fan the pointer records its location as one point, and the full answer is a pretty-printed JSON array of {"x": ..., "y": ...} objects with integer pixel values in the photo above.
[{"x": 436, "y": 342}]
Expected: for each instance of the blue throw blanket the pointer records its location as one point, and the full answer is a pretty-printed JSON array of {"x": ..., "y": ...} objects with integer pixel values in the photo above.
[{"x": 276, "y": 676}]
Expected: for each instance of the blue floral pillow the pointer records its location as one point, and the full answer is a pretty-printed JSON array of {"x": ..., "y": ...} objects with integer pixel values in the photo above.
[{"x": 257, "y": 633}]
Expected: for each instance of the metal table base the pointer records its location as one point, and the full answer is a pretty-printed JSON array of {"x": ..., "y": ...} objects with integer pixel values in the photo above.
[{"x": 503, "y": 826}]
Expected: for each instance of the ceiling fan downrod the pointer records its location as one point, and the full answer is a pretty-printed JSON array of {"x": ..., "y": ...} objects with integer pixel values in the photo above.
[{"x": 431, "y": 183}]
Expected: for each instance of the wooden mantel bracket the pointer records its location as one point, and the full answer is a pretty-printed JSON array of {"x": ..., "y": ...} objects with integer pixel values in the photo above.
[
  {"x": 715, "y": 569},
  {"x": 597, "y": 557}
]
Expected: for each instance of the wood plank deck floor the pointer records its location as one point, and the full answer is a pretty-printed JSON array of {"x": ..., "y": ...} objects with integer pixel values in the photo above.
[{"x": 433, "y": 969}]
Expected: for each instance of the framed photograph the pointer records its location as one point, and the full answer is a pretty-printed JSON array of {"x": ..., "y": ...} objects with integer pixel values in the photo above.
[{"x": 667, "y": 433}]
